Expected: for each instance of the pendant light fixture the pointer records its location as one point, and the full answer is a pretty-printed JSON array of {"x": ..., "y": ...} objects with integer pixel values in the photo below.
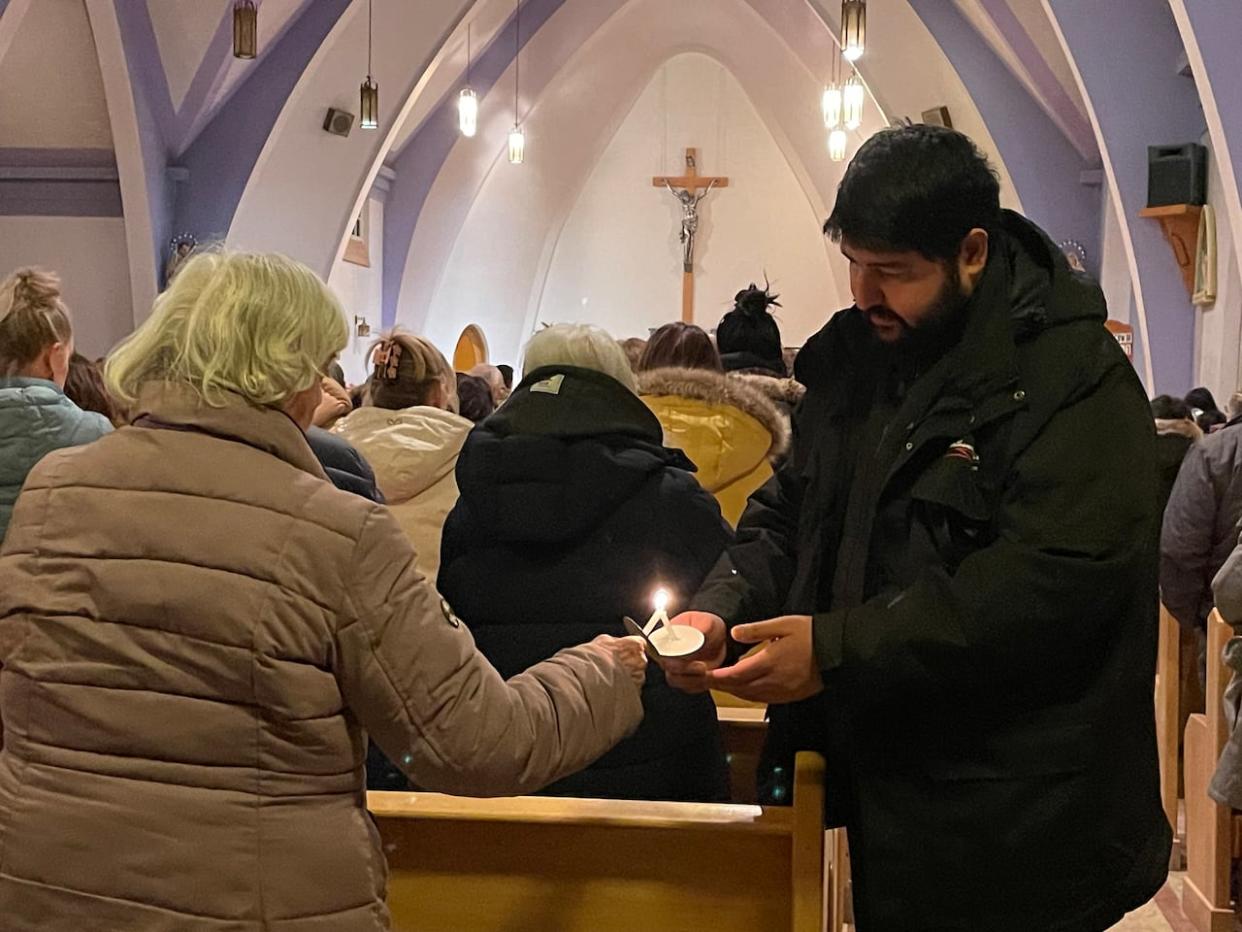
[
  {"x": 838, "y": 139},
  {"x": 369, "y": 105},
  {"x": 832, "y": 101},
  {"x": 517, "y": 138},
  {"x": 467, "y": 100},
  {"x": 855, "y": 96},
  {"x": 853, "y": 29},
  {"x": 245, "y": 29}
]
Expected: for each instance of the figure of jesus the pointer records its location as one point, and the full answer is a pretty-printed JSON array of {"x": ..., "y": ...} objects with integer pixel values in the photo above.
[{"x": 689, "y": 220}]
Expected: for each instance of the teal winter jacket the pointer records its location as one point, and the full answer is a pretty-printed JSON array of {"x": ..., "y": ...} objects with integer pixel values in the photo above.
[{"x": 35, "y": 419}]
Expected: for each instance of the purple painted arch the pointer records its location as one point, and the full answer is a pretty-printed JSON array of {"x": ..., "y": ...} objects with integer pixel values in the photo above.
[{"x": 424, "y": 154}]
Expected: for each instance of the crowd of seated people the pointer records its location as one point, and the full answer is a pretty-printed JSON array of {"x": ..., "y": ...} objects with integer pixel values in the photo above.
[{"x": 486, "y": 541}]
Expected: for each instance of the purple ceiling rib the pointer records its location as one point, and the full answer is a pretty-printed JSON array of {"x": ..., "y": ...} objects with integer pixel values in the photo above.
[
  {"x": 425, "y": 153},
  {"x": 1138, "y": 100},
  {"x": 1043, "y": 164},
  {"x": 222, "y": 157},
  {"x": 1048, "y": 84},
  {"x": 1216, "y": 30}
]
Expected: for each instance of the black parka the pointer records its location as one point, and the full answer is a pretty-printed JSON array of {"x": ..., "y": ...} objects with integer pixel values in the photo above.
[
  {"x": 571, "y": 513},
  {"x": 980, "y": 563}
]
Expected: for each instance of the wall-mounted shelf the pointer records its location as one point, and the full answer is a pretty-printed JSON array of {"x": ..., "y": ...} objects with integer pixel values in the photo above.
[{"x": 1180, "y": 223}]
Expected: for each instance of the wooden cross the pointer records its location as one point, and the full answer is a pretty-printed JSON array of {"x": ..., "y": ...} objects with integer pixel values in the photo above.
[{"x": 686, "y": 188}]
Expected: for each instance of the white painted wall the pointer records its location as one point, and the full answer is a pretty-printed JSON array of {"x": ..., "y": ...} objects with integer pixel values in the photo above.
[
  {"x": 617, "y": 263},
  {"x": 360, "y": 289},
  {"x": 51, "y": 91},
  {"x": 1218, "y": 329},
  {"x": 89, "y": 255}
]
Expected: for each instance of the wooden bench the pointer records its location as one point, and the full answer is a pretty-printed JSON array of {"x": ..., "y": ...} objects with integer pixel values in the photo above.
[
  {"x": 1169, "y": 721},
  {"x": 586, "y": 865},
  {"x": 1212, "y": 830}
]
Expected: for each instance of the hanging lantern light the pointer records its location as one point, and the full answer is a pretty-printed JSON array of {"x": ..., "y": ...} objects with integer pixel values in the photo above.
[
  {"x": 853, "y": 29},
  {"x": 517, "y": 146},
  {"x": 854, "y": 96},
  {"x": 517, "y": 138},
  {"x": 832, "y": 105},
  {"x": 368, "y": 116},
  {"x": 468, "y": 100},
  {"x": 837, "y": 142},
  {"x": 245, "y": 29},
  {"x": 468, "y": 112}
]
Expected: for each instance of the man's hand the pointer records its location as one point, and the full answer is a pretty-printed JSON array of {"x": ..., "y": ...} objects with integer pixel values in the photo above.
[
  {"x": 784, "y": 671},
  {"x": 690, "y": 674}
]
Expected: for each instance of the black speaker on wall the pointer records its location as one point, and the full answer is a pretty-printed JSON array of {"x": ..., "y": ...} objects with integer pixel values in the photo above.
[{"x": 1176, "y": 175}]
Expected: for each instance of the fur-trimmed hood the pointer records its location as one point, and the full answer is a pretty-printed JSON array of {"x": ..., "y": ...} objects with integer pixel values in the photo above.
[
  {"x": 786, "y": 392},
  {"x": 1185, "y": 428},
  {"x": 715, "y": 388}
]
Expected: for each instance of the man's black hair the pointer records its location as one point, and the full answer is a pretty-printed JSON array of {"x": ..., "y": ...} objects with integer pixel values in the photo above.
[{"x": 915, "y": 189}]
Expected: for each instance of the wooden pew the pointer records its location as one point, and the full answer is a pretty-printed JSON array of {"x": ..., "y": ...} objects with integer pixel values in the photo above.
[
  {"x": 1210, "y": 827},
  {"x": 586, "y": 865},
  {"x": 1168, "y": 721}
]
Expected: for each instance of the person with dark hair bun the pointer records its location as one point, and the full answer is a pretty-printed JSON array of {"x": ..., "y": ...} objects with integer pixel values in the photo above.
[{"x": 748, "y": 337}]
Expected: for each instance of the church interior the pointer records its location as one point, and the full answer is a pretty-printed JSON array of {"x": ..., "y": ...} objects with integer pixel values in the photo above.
[{"x": 479, "y": 172}]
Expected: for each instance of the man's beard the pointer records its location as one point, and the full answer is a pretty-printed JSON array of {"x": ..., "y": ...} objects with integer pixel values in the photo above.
[{"x": 940, "y": 327}]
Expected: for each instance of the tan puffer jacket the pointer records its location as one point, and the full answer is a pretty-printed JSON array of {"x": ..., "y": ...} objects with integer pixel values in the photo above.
[
  {"x": 195, "y": 630},
  {"x": 414, "y": 455}
]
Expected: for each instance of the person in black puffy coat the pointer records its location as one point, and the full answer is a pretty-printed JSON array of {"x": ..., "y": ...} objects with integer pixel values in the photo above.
[{"x": 572, "y": 513}]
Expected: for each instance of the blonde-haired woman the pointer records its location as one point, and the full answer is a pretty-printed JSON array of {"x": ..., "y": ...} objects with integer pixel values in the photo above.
[
  {"x": 409, "y": 430},
  {"x": 36, "y": 417},
  {"x": 196, "y": 627}
]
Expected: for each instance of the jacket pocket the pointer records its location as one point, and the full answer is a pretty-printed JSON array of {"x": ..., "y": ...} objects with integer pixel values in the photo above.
[{"x": 949, "y": 503}]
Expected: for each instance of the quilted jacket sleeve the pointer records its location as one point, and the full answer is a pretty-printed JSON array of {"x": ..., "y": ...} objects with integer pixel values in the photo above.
[{"x": 411, "y": 674}]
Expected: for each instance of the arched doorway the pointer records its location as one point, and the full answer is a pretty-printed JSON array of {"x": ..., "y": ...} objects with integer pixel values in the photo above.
[{"x": 471, "y": 349}]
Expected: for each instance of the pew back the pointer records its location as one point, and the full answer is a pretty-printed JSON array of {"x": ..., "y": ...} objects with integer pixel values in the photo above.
[{"x": 573, "y": 865}]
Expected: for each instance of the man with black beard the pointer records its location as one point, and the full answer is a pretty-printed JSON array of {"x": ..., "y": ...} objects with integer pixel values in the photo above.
[{"x": 955, "y": 571}]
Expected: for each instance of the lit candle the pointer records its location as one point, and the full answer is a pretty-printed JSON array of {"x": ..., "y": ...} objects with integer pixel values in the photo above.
[{"x": 660, "y": 615}]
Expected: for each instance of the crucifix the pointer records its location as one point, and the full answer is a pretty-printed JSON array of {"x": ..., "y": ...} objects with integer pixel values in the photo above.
[{"x": 686, "y": 189}]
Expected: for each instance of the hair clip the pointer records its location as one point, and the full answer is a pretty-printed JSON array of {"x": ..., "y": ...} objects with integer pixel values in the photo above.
[{"x": 387, "y": 359}]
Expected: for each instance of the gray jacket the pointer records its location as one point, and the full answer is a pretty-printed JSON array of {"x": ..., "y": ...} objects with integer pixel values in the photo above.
[
  {"x": 35, "y": 419},
  {"x": 1226, "y": 784},
  {"x": 1201, "y": 524}
]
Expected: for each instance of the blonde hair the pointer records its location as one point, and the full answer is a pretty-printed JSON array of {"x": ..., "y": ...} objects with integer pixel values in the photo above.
[
  {"x": 405, "y": 370},
  {"x": 260, "y": 326},
  {"x": 32, "y": 318},
  {"x": 580, "y": 345}
]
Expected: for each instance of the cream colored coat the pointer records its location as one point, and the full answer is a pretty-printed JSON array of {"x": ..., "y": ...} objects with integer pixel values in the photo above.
[
  {"x": 195, "y": 630},
  {"x": 414, "y": 455}
]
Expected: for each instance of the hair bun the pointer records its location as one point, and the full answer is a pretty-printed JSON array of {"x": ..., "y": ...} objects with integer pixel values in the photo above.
[
  {"x": 35, "y": 286},
  {"x": 755, "y": 301}
]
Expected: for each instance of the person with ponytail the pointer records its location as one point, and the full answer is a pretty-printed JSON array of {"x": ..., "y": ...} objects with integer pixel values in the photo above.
[
  {"x": 410, "y": 431},
  {"x": 748, "y": 337},
  {"x": 36, "y": 417}
]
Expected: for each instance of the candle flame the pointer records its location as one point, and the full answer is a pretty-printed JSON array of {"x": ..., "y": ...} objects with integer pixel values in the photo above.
[{"x": 660, "y": 600}]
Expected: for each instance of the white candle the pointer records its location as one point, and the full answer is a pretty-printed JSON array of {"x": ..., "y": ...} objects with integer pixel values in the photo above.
[{"x": 660, "y": 615}]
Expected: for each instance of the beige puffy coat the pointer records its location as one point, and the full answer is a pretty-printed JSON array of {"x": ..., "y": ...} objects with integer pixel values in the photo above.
[
  {"x": 195, "y": 630},
  {"x": 414, "y": 455}
]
